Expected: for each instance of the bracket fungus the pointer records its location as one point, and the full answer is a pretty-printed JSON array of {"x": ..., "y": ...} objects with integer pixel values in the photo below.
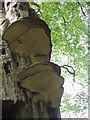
[
  {"x": 43, "y": 78},
  {"x": 29, "y": 36},
  {"x": 39, "y": 67},
  {"x": 47, "y": 83}
]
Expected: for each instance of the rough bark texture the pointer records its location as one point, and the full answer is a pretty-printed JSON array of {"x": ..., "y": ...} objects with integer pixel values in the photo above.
[
  {"x": 10, "y": 89},
  {"x": 18, "y": 102}
]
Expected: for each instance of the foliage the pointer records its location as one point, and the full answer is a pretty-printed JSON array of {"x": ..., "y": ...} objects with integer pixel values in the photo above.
[{"x": 69, "y": 35}]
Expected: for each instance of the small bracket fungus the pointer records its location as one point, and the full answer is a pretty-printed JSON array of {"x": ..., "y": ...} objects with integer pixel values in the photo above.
[
  {"x": 48, "y": 84},
  {"x": 45, "y": 81}
]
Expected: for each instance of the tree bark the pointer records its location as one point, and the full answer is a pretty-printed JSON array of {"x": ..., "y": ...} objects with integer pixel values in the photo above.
[{"x": 17, "y": 102}]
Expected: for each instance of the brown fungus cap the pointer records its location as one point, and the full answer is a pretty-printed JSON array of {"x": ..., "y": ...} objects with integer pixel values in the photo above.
[
  {"x": 29, "y": 36},
  {"x": 47, "y": 83}
]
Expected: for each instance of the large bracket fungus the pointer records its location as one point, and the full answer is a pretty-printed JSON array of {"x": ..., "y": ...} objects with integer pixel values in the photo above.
[{"x": 29, "y": 36}]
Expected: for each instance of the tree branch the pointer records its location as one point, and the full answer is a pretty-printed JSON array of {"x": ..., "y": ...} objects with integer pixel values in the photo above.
[
  {"x": 73, "y": 73},
  {"x": 64, "y": 20},
  {"x": 81, "y": 8},
  {"x": 64, "y": 25},
  {"x": 65, "y": 66}
]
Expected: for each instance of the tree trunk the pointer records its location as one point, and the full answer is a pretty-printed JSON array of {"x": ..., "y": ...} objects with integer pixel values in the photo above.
[{"x": 18, "y": 102}]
